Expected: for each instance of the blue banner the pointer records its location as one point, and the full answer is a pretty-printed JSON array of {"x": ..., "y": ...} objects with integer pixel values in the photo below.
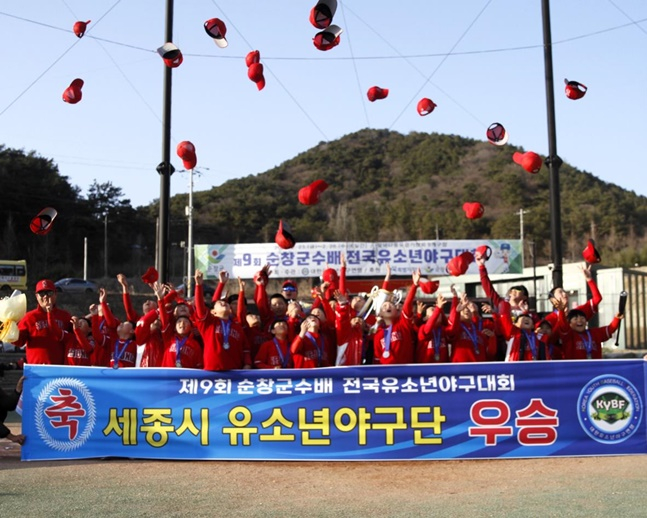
[{"x": 399, "y": 412}]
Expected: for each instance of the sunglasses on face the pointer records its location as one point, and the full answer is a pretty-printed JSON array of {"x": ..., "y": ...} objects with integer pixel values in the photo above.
[
  {"x": 43, "y": 294},
  {"x": 289, "y": 288}
]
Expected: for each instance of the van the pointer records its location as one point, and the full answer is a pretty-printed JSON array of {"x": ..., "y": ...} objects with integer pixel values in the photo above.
[{"x": 13, "y": 275}]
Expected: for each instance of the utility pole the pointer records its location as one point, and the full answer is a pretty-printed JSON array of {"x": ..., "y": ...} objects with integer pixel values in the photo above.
[
  {"x": 189, "y": 248},
  {"x": 520, "y": 213},
  {"x": 105, "y": 245},
  {"x": 552, "y": 161}
]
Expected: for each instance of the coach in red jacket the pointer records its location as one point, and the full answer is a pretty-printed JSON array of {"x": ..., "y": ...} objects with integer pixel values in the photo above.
[{"x": 42, "y": 346}]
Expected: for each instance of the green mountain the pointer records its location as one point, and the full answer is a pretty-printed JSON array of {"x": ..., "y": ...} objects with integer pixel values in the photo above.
[{"x": 387, "y": 186}]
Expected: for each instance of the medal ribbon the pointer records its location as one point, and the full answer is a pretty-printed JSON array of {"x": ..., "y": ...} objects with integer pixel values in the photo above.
[
  {"x": 436, "y": 332},
  {"x": 119, "y": 352},
  {"x": 318, "y": 346},
  {"x": 588, "y": 343},
  {"x": 473, "y": 334},
  {"x": 531, "y": 339},
  {"x": 225, "y": 326},
  {"x": 178, "y": 348},
  {"x": 387, "y": 339},
  {"x": 284, "y": 360}
]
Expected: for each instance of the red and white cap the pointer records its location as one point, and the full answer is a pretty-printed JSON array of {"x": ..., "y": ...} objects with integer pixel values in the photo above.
[
  {"x": 284, "y": 236},
  {"x": 255, "y": 73},
  {"x": 497, "y": 135},
  {"x": 79, "y": 28},
  {"x": 574, "y": 90},
  {"x": 45, "y": 285},
  {"x": 375, "y": 92},
  {"x": 252, "y": 57},
  {"x": 42, "y": 223},
  {"x": 171, "y": 55},
  {"x": 529, "y": 160},
  {"x": 217, "y": 29},
  {"x": 429, "y": 287},
  {"x": 321, "y": 14},
  {"x": 72, "y": 93},
  {"x": 309, "y": 195},
  {"x": 328, "y": 38},
  {"x": 425, "y": 106}
]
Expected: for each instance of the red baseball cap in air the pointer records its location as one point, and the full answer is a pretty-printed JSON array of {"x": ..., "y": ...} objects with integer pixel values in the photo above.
[
  {"x": 284, "y": 236},
  {"x": 590, "y": 254},
  {"x": 429, "y": 287},
  {"x": 255, "y": 73},
  {"x": 72, "y": 93},
  {"x": 425, "y": 106},
  {"x": 309, "y": 195},
  {"x": 79, "y": 28},
  {"x": 186, "y": 151},
  {"x": 375, "y": 92},
  {"x": 529, "y": 160},
  {"x": 574, "y": 90},
  {"x": 45, "y": 285},
  {"x": 252, "y": 57},
  {"x": 497, "y": 135},
  {"x": 150, "y": 276},
  {"x": 42, "y": 223},
  {"x": 473, "y": 210},
  {"x": 217, "y": 29},
  {"x": 328, "y": 38},
  {"x": 321, "y": 14},
  {"x": 171, "y": 55}
]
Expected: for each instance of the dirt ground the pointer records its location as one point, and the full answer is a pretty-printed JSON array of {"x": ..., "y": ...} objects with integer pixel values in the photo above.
[{"x": 590, "y": 486}]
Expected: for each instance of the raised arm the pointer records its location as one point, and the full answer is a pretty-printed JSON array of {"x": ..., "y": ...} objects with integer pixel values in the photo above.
[
  {"x": 131, "y": 314},
  {"x": 200, "y": 306},
  {"x": 111, "y": 321}
]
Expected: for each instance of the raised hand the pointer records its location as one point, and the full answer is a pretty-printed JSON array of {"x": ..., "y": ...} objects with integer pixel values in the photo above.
[{"x": 199, "y": 277}]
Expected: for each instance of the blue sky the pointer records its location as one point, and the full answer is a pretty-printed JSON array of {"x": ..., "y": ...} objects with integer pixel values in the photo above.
[{"x": 480, "y": 61}]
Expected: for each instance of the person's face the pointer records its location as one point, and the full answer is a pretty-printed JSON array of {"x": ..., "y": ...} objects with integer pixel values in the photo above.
[
  {"x": 149, "y": 305},
  {"x": 125, "y": 330},
  {"x": 578, "y": 323},
  {"x": 183, "y": 326},
  {"x": 357, "y": 322},
  {"x": 466, "y": 313},
  {"x": 83, "y": 326},
  {"x": 253, "y": 320},
  {"x": 46, "y": 299},
  {"x": 545, "y": 329},
  {"x": 312, "y": 324},
  {"x": 221, "y": 309},
  {"x": 357, "y": 303},
  {"x": 524, "y": 322},
  {"x": 280, "y": 330},
  {"x": 388, "y": 310},
  {"x": 181, "y": 310},
  {"x": 156, "y": 326},
  {"x": 290, "y": 292},
  {"x": 517, "y": 297},
  {"x": 319, "y": 313},
  {"x": 278, "y": 306},
  {"x": 561, "y": 296}
]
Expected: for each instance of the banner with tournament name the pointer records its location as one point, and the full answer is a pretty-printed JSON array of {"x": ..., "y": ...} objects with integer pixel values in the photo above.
[
  {"x": 364, "y": 259},
  {"x": 399, "y": 412}
]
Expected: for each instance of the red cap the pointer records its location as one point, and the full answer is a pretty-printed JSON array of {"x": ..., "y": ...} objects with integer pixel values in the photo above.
[
  {"x": 289, "y": 284},
  {"x": 429, "y": 287},
  {"x": 590, "y": 254},
  {"x": 252, "y": 57},
  {"x": 79, "y": 28},
  {"x": 321, "y": 14},
  {"x": 483, "y": 251},
  {"x": 217, "y": 29},
  {"x": 309, "y": 195},
  {"x": 459, "y": 264},
  {"x": 328, "y": 38},
  {"x": 41, "y": 224},
  {"x": 72, "y": 93},
  {"x": 45, "y": 285},
  {"x": 255, "y": 73},
  {"x": 497, "y": 135},
  {"x": 171, "y": 55},
  {"x": 473, "y": 210},
  {"x": 284, "y": 236},
  {"x": 529, "y": 160},
  {"x": 330, "y": 275},
  {"x": 574, "y": 90},
  {"x": 425, "y": 106},
  {"x": 150, "y": 276},
  {"x": 186, "y": 151},
  {"x": 375, "y": 92}
]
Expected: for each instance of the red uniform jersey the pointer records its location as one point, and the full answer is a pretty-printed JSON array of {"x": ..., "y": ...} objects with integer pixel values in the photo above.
[
  {"x": 42, "y": 345},
  {"x": 310, "y": 351},
  {"x": 395, "y": 343},
  {"x": 350, "y": 340},
  {"x": 586, "y": 345},
  {"x": 189, "y": 355},
  {"x": 274, "y": 354},
  {"x": 432, "y": 346}
]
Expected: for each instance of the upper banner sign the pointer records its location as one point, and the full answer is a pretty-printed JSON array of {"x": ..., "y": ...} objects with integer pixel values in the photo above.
[
  {"x": 363, "y": 259},
  {"x": 387, "y": 412}
]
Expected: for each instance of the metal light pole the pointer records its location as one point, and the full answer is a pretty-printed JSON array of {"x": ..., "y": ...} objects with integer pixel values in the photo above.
[
  {"x": 520, "y": 213},
  {"x": 552, "y": 161},
  {"x": 189, "y": 248},
  {"x": 165, "y": 169},
  {"x": 105, "y": 245}
]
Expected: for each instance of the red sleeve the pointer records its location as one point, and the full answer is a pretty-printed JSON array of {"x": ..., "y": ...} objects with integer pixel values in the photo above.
[
  {"x": 262, "y": 303},
  {"x": 505, "y": 320},
  {"x": 487, "y": 286},
  {"x": 342, "y": 280},
  {"x": 454, "y": 320},
  {"x": 241, "y": 308},
  {"x": 54, "y": 331},
  {"x": 602, "y": 334},
  {"x": 143, "y": 327},
  {"x": 111, "y": 321},
  {"x": 217, "y": 294},
  {"x": 407, "y": 306},
  {"x": 432, "y": 322},
  {"x": 83, "y": 340},
  {"x": 591, "y": 306},
  {"x": 198, "y": 300},
  {"x": 131, "y": 314},
  {"x": 96, "y": 330},
  {"x": 297, "y": 344}
]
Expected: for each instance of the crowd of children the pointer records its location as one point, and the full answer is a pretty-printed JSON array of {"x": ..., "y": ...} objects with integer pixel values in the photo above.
[{"x": 337, "y": 329}]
